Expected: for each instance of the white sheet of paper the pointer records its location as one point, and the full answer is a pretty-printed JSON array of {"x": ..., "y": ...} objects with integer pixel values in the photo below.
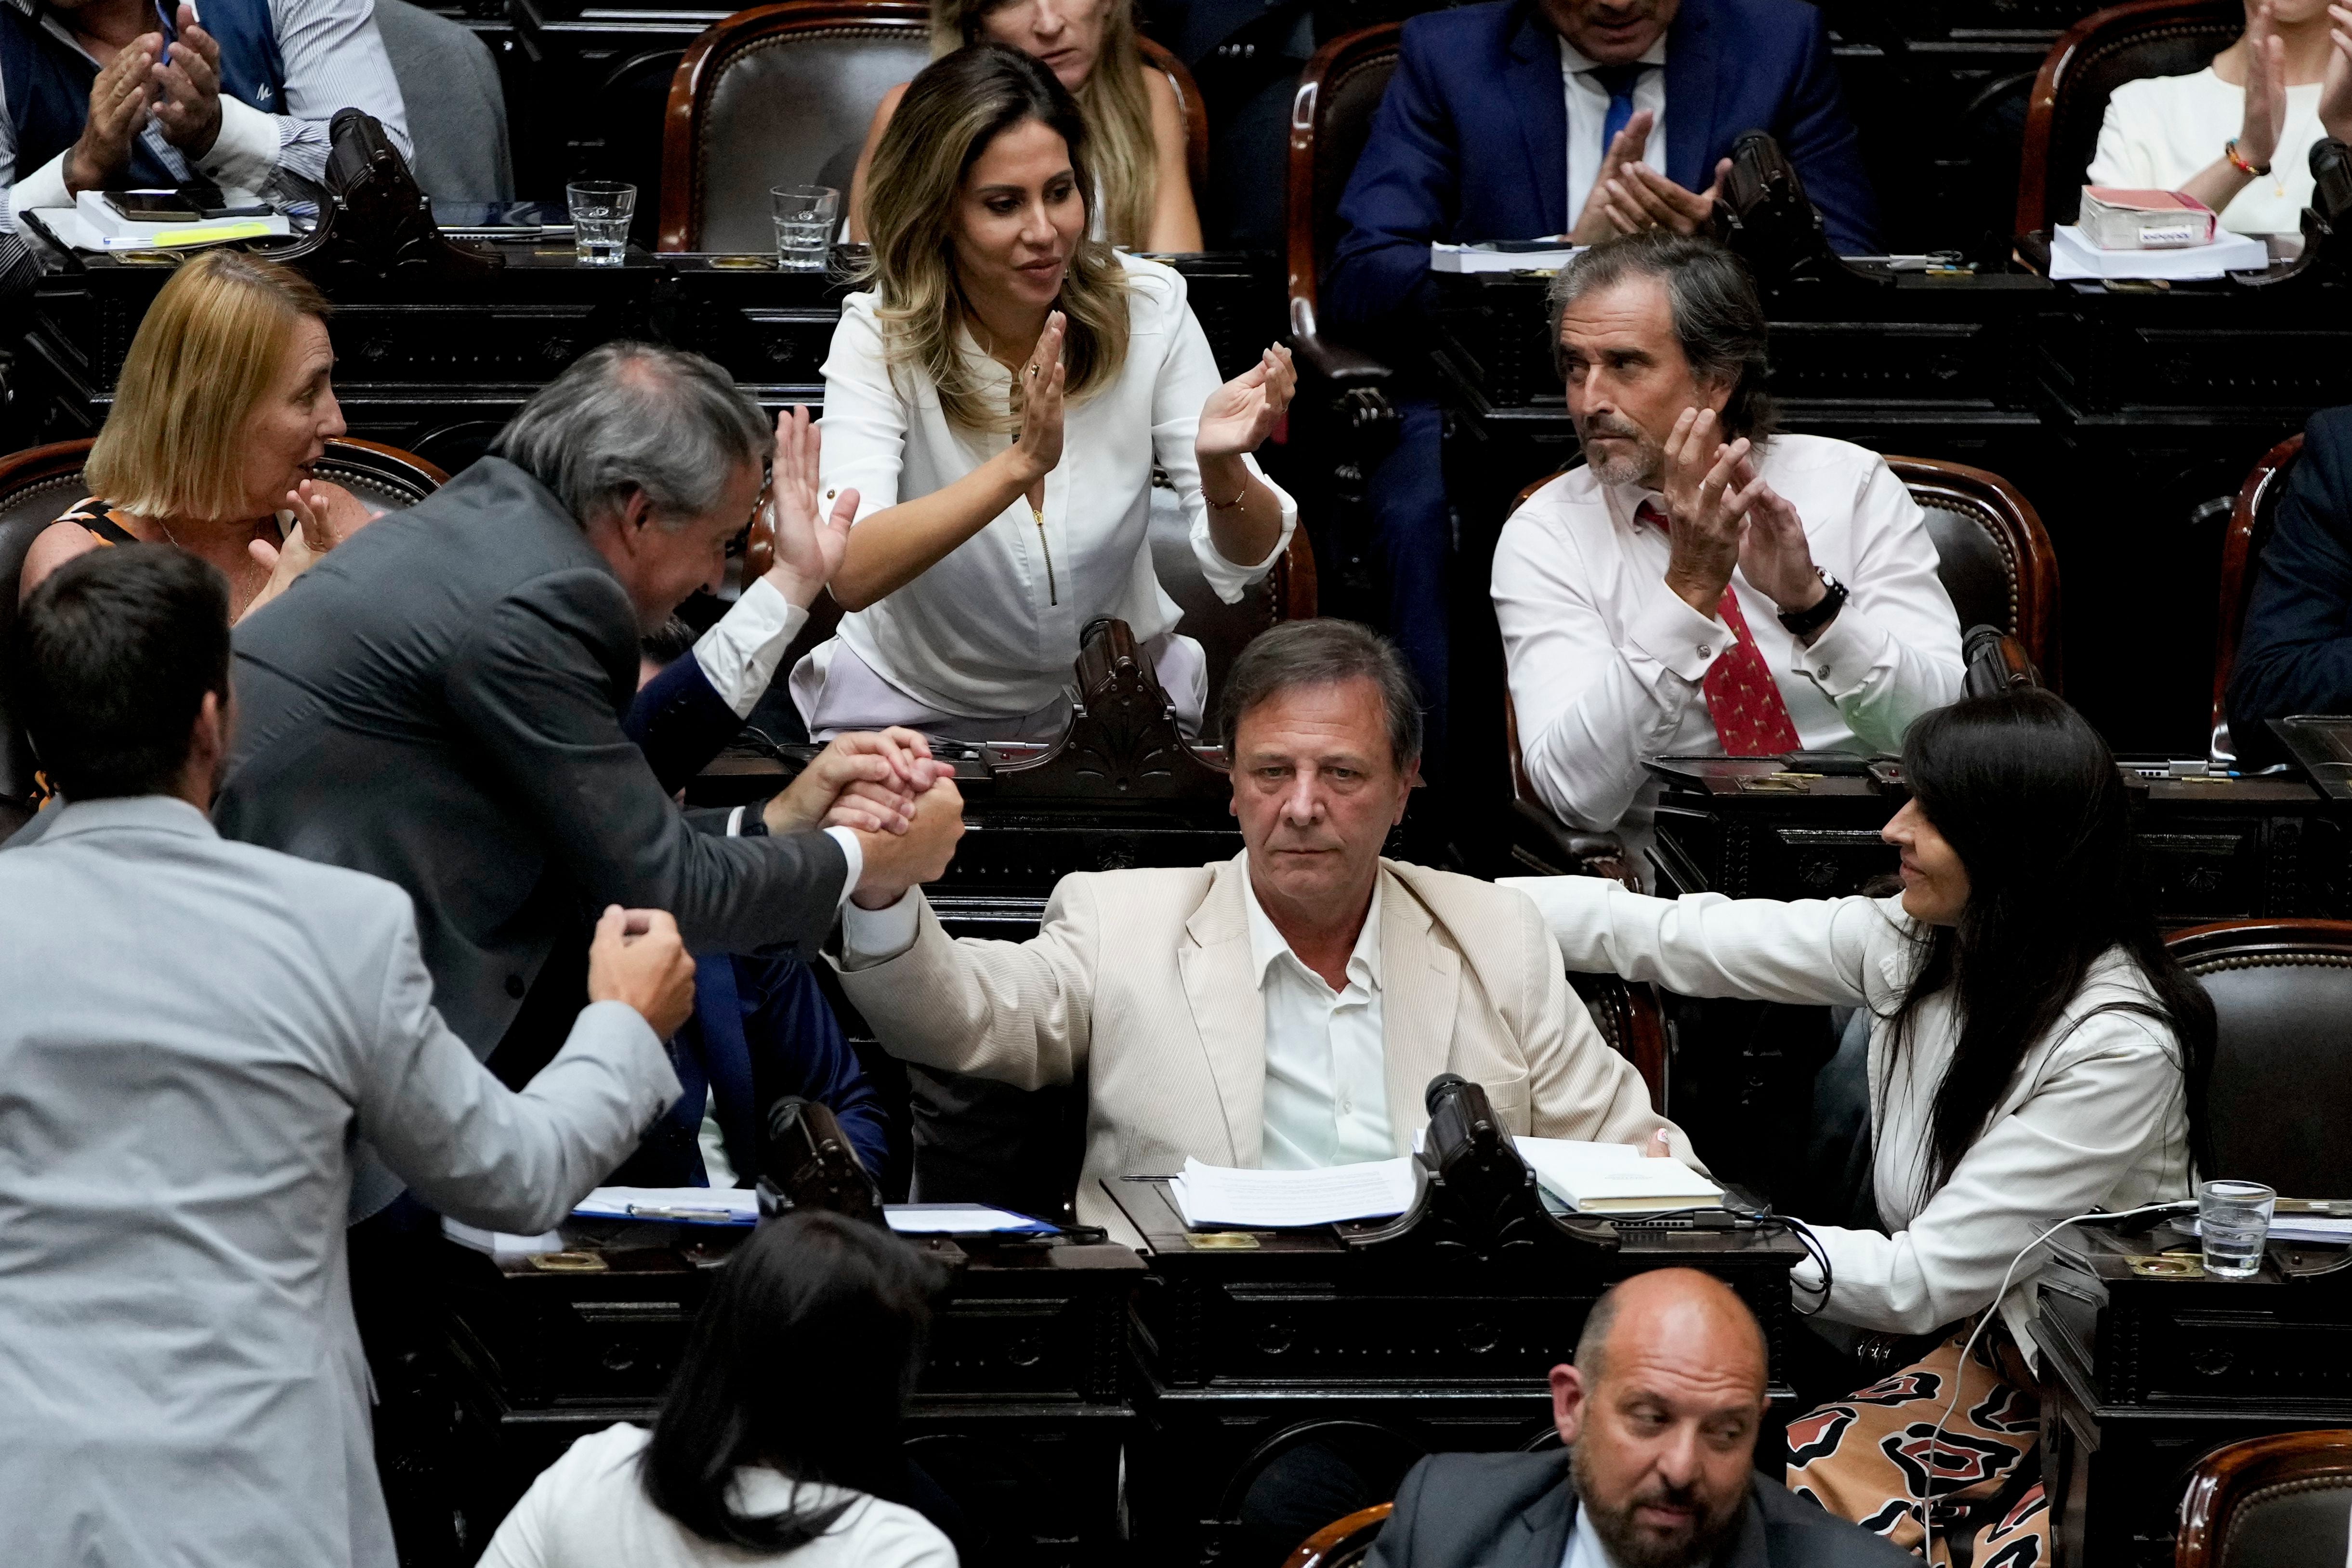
[
  {"x": 1579, "y": 1173},
  {"x": 953, "y": 1219},
  {"x": 711, "y": 1205},
  {"x": 1278, "y": 1200}
]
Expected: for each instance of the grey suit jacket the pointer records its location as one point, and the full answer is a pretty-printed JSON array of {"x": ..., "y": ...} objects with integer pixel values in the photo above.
[
  {"x": 439, "y": 703},
  {"x": 194, "y": 1036},
  {"x": 1515, "y": 1510}
]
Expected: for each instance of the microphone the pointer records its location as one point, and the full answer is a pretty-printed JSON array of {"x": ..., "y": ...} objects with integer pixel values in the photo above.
[
  {"x": 806, "y": 1162},
  {"x": 1461, "y": 1118},
  {"x": 1994, "y": 662},
  {"x": 2331, "y": 176}
]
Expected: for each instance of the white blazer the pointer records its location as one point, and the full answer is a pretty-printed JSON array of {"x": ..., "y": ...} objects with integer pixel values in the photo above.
[
  {"x": 988, "y": 631},
  {"x": 2096, "y": 1117}
]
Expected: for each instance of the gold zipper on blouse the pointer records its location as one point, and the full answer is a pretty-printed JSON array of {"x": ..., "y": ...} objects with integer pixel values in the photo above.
[{"x": 1053, "y": 593}]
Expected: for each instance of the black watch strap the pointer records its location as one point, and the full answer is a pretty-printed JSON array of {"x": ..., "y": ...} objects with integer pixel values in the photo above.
[
  {"x": 753, "y": 823},
  {"x": 1804, "y": 623}
]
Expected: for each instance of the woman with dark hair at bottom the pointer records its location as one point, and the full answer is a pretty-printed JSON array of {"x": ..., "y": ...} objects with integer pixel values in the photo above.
[
  {"x": 2034, "y": 1053},
  {"x": 782, "y": 1424}
]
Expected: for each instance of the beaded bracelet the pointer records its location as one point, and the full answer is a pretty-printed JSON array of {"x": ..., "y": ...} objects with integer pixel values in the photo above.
[{"x": 2230, "y": 150}]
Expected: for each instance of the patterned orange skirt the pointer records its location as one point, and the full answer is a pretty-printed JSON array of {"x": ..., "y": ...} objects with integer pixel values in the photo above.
[{"x": 1874, "y": 1457}]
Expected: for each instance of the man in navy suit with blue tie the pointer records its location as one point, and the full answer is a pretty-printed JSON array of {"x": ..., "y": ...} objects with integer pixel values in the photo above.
[{"x": 1527, "y": 119}]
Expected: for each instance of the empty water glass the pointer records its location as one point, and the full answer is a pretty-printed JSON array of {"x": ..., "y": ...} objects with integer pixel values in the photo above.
[
  {"x": 2232, "y": 1220},
  {"x": 805, "y": 217},
  {"x": 601, "y": 211}
]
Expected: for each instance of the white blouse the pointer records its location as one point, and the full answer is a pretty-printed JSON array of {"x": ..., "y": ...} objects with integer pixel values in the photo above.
[
  {"x": 990, "y": 630},
  {"x": 2096, "y": 1117},
  {"x": 2161, "y": 129},
  {"x": 589, "y": 1510}
]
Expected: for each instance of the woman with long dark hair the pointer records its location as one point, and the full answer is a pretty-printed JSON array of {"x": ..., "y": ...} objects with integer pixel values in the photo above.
[
  {"x": 780, "y": 1425},
  {"x": 2034, "y": 1053}
]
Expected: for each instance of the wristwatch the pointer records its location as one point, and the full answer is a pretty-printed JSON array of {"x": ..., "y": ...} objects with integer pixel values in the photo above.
[{"x": 1805, "y": 623}]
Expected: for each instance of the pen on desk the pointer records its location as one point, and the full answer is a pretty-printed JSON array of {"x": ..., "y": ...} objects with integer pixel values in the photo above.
[{"x": 660, "y": 1211}]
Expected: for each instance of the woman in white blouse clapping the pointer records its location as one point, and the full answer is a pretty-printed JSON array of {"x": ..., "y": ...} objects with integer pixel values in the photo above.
[
  {"x": 2034, "y": 1053},
  {"x": 996, "y": 399}
]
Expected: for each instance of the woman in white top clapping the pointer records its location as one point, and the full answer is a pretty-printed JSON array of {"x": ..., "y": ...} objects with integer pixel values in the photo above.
[
  {"x": 2238, "y": 134},
  {"x": 2035, "y": 1053},
  {"x": 781, "y": 1424},
  {"x": 997, "y": 399}
]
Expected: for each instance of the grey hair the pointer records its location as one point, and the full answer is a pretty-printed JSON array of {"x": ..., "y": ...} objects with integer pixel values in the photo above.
[
  {"x": 1323, "y": 653},
  {"x": 1718, "y": 319},
  {"x": 637, "y": 417}
]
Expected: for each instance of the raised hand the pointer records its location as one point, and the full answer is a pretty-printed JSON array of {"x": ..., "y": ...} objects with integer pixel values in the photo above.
[
  {"x": 119, "y": 102},
  {"x": 1041, "y": 380},
  {"x": 1239, "y": 415},
  {"x": 895, "y": 763},
  {"x": 187, "y": 88},
  {"x": 2336, "y": 87},
  {"x": 1774, "y": 554},
  {"x": 1707, "y": 506},
  {"x": 1594, "y": 223},
  {"x": 2265, "y": 116},
  {"x": 1640, "y": 197},
  {"x": 808, "y": 541},
  {"x": 638, "y": 957}
]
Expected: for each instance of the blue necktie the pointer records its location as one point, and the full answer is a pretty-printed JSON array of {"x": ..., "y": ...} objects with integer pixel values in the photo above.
[{"x": 1618, "y": 82}]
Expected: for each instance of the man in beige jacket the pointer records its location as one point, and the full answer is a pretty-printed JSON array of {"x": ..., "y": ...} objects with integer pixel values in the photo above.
[{"x": 1284, "y": 1008}]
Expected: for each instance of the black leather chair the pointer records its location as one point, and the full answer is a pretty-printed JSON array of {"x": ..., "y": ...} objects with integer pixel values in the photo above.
[
  {"x": 40, "y": 482},
  {"x": 1343, "y": 1543},
  {"x": 2282, "y": 993},
  {"x": 2097, "y": 55},
  {"x": 2280, "y": 1501},
  {"x": 2241, "y": 549},
  {"x": 784, "y": 95}
]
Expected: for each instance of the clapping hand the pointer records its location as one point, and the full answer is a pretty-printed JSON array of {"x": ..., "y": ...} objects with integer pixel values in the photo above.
[
  {"x": 1774, "y": 554},
  {"x": 808, "y": 542},
  {"x": 119, "y": 102},
  {"x": 1239, "y": 415},
  {"x": 1039, "y": 442},
  {"x": 2335, "y": 89},
  {"x": 1640, "y": 197},
  {"x": 2265, "y": 115},
  {"x": 1594, "y": 225},
  {"x": 187, "y": 88},
  {"x": 1708, "y": 505}
]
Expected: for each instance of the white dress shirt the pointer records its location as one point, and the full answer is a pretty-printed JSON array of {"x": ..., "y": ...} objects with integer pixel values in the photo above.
[
  {"x": 2161, "y": 129},
  {"x": 1585, "y": 1547},
  {"x": 589, "y": 1510},
  {"x": 2096, "y": 1116},
  {"x": 334, "y": 59},
  {"x": 1607, "y": 662},
  {"x": 1588, "y": 116},
  {"x": 985, "y": 632},
  {"x": 1327, "y": 1098}
]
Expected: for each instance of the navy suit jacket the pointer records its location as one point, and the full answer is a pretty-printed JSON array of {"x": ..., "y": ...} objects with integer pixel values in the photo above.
[
  {"x": 2295, "y": 655},
  {"x": 1471, "y": 140}
]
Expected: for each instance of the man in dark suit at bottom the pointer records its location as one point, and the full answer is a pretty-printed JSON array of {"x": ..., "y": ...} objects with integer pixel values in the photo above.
[{"x": 1660, "y": 1413}]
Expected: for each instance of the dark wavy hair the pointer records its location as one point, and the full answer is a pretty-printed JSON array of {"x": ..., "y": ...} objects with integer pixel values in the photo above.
[
  {"x": 2029, "y": 797},
  {"x": 1718, "y": 319},
  {"x": 802, "y": 1360}
]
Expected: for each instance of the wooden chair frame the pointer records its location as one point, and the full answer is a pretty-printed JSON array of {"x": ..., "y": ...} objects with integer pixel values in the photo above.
[
  {"x": 2059, "y": 69},
  {"x": 2241, "y": 549},
  {"x": 1332, "y": 63},
  {"x": 35, "y": 463},
  {"x": 698, "y": 76},
  {"x": 2017, "y": 526},
  {"x": 2267, "y": 940},
  {"x": 2228, "y": 1478},
  {"x": 1343, "y": 1542}
]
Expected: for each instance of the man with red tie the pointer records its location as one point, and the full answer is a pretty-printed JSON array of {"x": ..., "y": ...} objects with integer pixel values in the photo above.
[{"x": 1703, "y": 584}]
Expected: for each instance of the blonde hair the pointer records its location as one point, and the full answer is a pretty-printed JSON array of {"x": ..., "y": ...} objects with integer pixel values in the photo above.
[
  {"x": 1124, "y": 158},
  {"x": 211, "y": 346},
  {"x": 952, "y": 110}
]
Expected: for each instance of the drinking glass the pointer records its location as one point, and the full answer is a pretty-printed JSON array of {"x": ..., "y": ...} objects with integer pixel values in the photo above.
[
  {"x": 601, "y": 211},
  {"x": 805, "y": 217},
  {"x": 2233, "y": 1219}
]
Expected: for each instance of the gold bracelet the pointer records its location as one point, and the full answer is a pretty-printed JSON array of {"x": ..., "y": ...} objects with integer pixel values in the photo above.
[{"x": 1215, "y": 505}]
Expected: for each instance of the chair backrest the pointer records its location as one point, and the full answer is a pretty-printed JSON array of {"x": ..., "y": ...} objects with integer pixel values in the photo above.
[
  {"x": 457, "y": 108},
  {"x": 777, "y": 95},
  {"x": 2097, "y": 55},
  {"x": 2281, "y": 995},
  {"x": 1343, "y": 1543},
  {"x": 1286, "y": 594},
  {"x": 2242, "y": 551},
  {"x": 1992, "y": 554},
  {"x": 785, "y": 94},
  {"x": 2280, "y": 1501},
  {"x": 40, "y": 482},
  {"x": 1330, "y": 118}
]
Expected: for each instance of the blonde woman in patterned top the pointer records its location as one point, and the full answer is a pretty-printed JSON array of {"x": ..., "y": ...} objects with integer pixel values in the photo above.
[{"x": 223, "y": 403}]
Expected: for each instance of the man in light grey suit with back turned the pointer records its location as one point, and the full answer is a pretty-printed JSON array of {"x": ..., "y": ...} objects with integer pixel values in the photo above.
[{"x": 194, "y": 1035}]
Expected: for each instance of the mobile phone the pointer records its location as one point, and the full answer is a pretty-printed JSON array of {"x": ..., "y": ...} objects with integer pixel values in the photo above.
[{"x": 154, "y": 207}]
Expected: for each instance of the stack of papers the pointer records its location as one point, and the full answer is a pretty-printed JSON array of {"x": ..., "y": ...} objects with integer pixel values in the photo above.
[
  {"x": 2297, "y": 1228},
  {"x": 1213, "y": 1196},
  {"x": 961, "y": 1219},
  {"x": 1486, "y": 258},
  {"x": 680, "y": 1205},
  {"x": 1615, "y": 1178},
  {"x": 2072, "y": 254}
]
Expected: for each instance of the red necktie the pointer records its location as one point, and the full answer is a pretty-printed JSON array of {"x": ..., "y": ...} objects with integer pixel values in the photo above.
[{"x": 1742, "y": 698}]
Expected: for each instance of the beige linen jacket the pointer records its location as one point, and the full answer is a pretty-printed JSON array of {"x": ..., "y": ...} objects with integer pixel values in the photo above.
[{"x": 1141, "y": 980}]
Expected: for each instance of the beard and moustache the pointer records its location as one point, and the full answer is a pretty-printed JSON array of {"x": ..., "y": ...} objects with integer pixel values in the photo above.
[
  {"x": 1632, "y": 1546},
  {"x": 1639, "y": 466}
]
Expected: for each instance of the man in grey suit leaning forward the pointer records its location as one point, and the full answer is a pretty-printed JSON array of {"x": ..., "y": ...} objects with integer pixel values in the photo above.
[
  {"x": 193, "y": 1035},
  {"x": 1284, "y": 1008},
  {"x": 1659, "y": 1416}
]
